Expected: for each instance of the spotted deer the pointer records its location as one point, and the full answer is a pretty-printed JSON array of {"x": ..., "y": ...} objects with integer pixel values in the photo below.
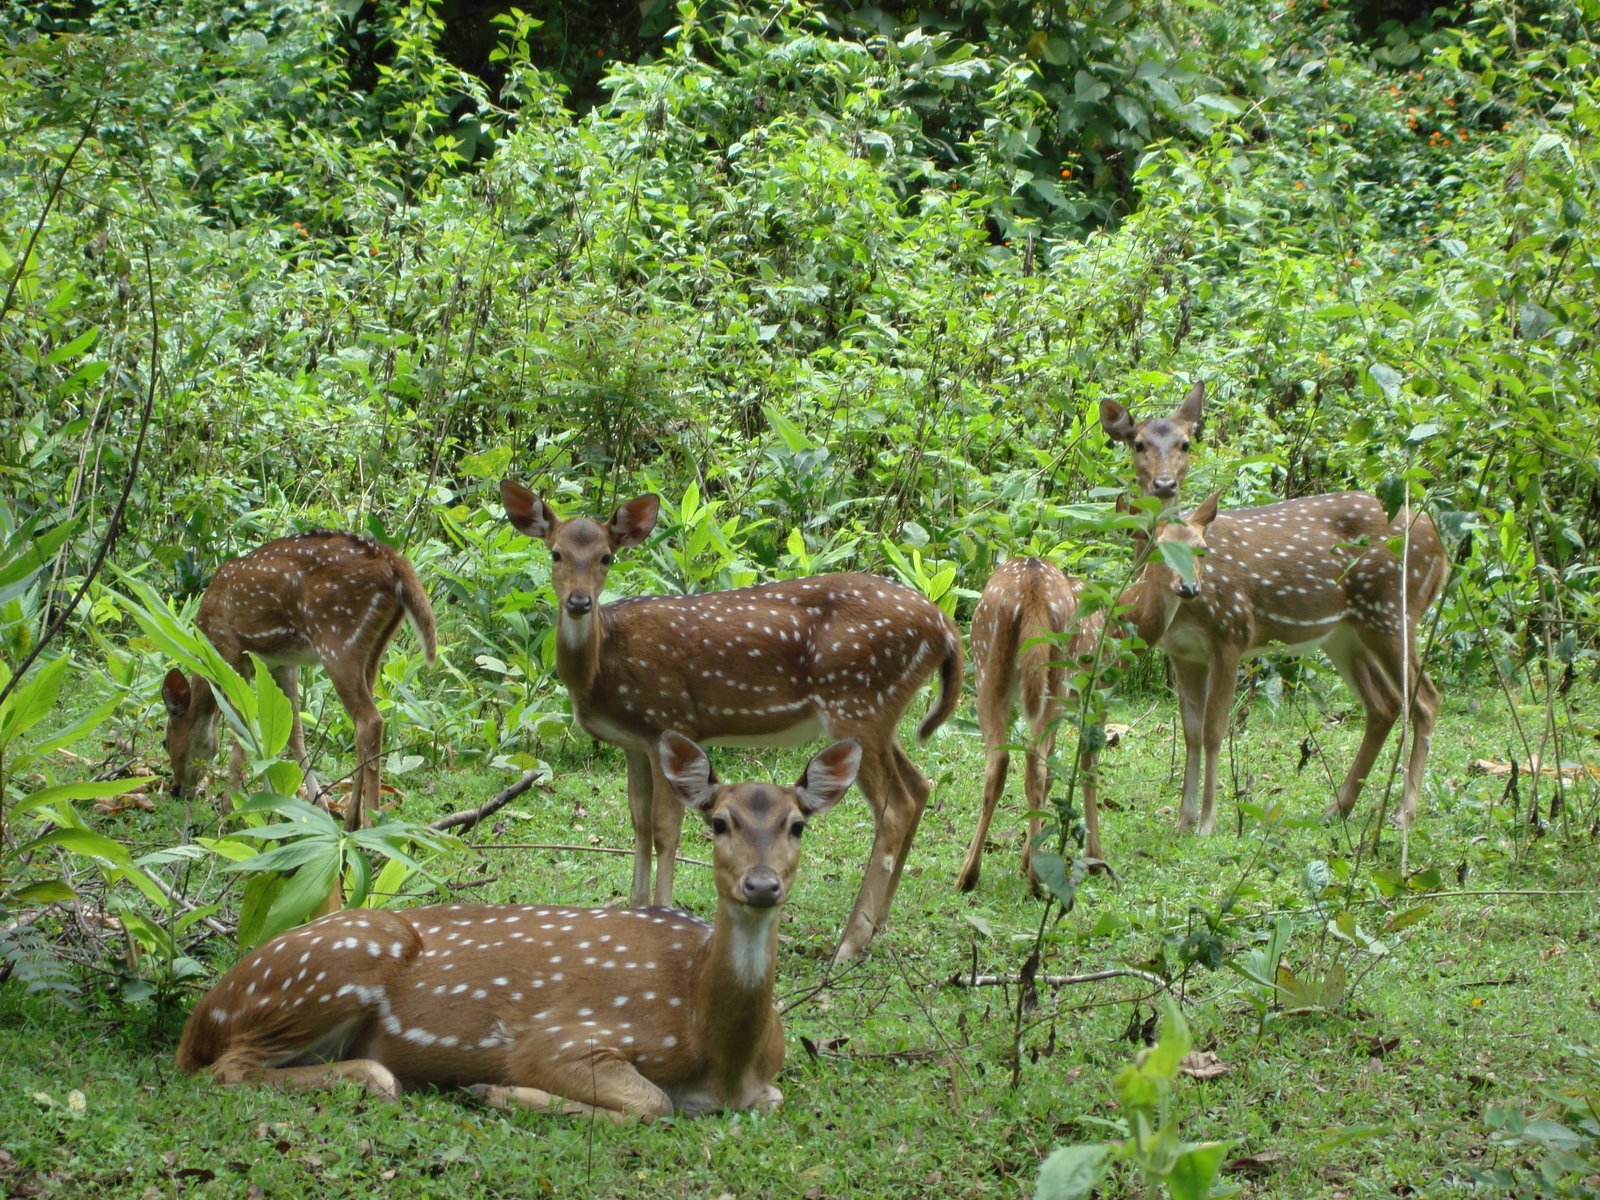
[
  {"x": 320, "y": 597},
  {"x": 767, "y": 665},
  {"x": 1160, "y": 445},
  {"x": 1306, "y": 574},
  {"x": 1017, "y": 657},
  {"x": 633, "y": 1012}
]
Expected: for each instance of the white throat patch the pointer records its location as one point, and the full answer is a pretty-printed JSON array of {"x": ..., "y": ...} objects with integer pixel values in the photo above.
[
  {"x": 752, "y": 945},
  {"x": 574, "y": 631}
]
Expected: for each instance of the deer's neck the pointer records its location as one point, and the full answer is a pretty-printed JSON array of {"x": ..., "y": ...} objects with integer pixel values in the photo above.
[
  {"x": 735, "y": 988},
  {"x": 203, "y": 708},
  {"x": 578, "y": 642}
]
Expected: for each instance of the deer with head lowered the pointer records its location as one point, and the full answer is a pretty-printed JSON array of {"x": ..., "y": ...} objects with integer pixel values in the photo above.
[
  {"x": 1313, "y": 573},
  {"x": 1160, "y": 445},
  {"x": 767, "y": 665},
  {"x": 320, "y": 597},
  {"x": 633, "y": 1012},
  {"x": 1018, "y": 658}
]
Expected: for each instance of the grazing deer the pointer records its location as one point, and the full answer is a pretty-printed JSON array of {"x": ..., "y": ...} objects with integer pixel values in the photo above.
[
  {"x": 333, "y": 598},
  {"x": 765, "y": 665},
  {"x": 633, "y": 1012},
  {"x": 1015, "y": 658},
  {"x": 1160, "y": 444},
  {"x": 1309, "y": 573}
]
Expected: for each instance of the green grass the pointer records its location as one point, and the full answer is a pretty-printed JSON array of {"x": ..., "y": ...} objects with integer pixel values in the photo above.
[{"x": 1480, "y": 1003}]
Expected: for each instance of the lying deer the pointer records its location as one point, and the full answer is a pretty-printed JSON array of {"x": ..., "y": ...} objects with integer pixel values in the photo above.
[
  {"x": 1026, "y": 606},
  {"x": 633, "y": 1012},
  {"x": 767, "y": 665},
  {"x": 333, "y": 598},
  {"x": 1307, "y": 574}
]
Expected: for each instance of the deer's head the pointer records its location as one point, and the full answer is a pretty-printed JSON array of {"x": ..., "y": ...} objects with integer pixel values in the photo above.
[
  {"x": 191, "y": 731},
  {"x": 580, "y": 549},
  {"x": 1190, "y": 531},
  {"x": 1160, "y": 444},
  {"x": 756, "y": 827}
]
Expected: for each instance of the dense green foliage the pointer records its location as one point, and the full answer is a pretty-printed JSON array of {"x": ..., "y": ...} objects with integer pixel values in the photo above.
[{"x": 843, "y": 283}]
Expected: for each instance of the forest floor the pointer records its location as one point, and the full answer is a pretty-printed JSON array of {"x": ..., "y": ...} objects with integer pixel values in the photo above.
[{"x": 898, "y": 1078}]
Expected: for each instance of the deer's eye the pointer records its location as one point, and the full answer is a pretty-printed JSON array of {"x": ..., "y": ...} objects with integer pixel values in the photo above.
[
  {"x": 605, "y": 560},
  {"x": 718, "y": 826},
  {"x": 797, "y": 829},
  {"x": 1138, "y": 447},
  {"x": 555, "y": 556},
  {"x": 1186, "y": 445}
]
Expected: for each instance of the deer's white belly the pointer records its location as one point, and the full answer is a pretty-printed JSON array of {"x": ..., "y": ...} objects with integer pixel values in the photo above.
[{"x": 806, "y": 727}]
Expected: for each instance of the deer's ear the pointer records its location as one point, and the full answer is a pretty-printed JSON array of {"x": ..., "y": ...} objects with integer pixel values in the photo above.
[
  {"x": 526, "y": 511},
  {"x": 175, "y": 692},
  {"x": 688, "y": 770},
  {"x": 828, "y": 776},
  {"x": 1207, "y": 512},
  {"x": 1114, "y": 419},
  {"x": 633, "y": 521},
  {"x": 1188, "y": 413}
]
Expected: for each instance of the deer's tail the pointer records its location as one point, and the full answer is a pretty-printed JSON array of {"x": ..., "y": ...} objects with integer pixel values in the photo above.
[
  {"x": 949, "y": 683},
  {"x": 415, "y": 602}
]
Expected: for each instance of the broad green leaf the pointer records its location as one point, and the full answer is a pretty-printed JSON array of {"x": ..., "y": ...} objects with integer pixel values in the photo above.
[
  {"x": 1051, "y": 869},
  {"x": 1179, "y": 557},
  {"x": 82, "y": 727},
  {"x": 1386, "y": 377},
  {"x": 32, "y": 701},
  {"x": 359, "y": 869},
  {"x": 285, "y": 777},
  {"x": 50, "y": 891},
  {"x": 86, "y": 843},
  {"x": 229, "y": 848},
  {"x": 260, "y": 893},
  {"x": 1192, "y": 1175},
  {"x": 491, "y": 464},
  {"x": 794, "y": 438},
  {"x": 304, "y": 891},
  {"x": 289, "y": 855},
  {"x": 73, "y": 348},
  {"x": 1171, "y": 1046},
  {"x": 1071, "y": 1172},
  {"x": 26, "y": 552},
  {"x": 88, "y": 789},
  {"x": 274, "y": 714}
]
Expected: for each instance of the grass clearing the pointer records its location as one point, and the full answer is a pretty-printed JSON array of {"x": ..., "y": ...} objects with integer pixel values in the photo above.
[{"x": 897, "y": 1083}]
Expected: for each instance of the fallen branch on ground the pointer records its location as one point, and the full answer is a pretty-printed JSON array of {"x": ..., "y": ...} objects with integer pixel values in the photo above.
[
  {"x": 467, "y": 818},
  {"x": 963, "y": 979}
]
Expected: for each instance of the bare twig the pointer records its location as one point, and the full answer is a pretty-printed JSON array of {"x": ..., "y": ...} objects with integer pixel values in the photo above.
[
  {"x": 470, "y": 817},
  {"x": 171, "y": 893},
  {"x": 962, "y": 979}
]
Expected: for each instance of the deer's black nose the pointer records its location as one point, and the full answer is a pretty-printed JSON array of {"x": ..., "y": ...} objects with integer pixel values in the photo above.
[
  {"x": 762, "y": 888},
  {"x": 579, "y": 604}
]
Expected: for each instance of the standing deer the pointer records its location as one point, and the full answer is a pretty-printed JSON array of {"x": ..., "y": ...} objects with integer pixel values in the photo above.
[
  {"x": 765, "y": 665},
  {"x": 1309, "y": 573},
  {"x": 333, "y": 598},
  {"x": 632, "y": 1012},
  {"x": 1160, "y": 444},
  {"x": 1014, "y": 658}
]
